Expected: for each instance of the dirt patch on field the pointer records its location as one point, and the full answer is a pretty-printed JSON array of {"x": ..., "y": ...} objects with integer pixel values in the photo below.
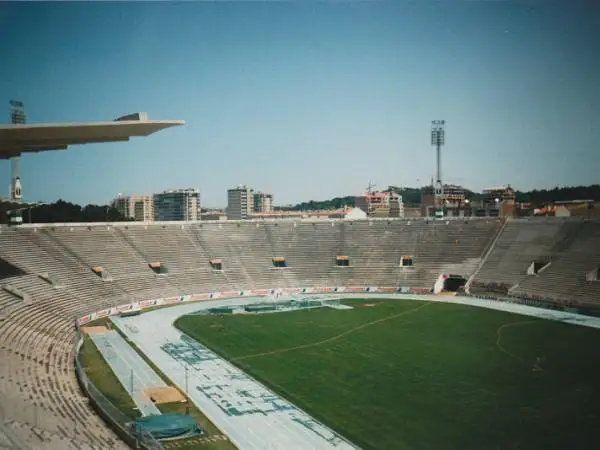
[
  {"x": 98, "y": 329},
  {"x": 161, "y": 395},
  {"x": 367, "y": 305}
]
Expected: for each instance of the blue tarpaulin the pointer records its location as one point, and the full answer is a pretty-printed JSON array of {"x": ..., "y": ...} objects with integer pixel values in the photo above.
[{"x": 167, "y": 426}]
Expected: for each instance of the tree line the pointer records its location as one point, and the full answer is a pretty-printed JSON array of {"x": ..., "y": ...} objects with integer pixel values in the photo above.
[
  {"x": 412, "y": 197},
  {"x": 315, "y": 205},
  {"x": 558, "y": 194},
  {"x": 62, "y": 211}
]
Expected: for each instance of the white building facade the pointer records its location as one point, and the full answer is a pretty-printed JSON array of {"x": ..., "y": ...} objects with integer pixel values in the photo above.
[{"x": 137, "y": 207}]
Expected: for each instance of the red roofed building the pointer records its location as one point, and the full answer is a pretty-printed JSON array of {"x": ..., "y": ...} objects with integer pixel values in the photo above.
[{"x": 381, "y": 204}]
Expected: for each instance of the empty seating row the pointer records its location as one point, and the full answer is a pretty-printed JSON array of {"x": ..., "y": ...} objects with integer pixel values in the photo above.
[
  {"x": 55, "y": 271},
  {"x": 546, "y": 258}
]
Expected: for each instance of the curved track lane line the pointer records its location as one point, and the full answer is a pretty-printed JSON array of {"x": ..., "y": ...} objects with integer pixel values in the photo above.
[{"x": 503, "y": 349}]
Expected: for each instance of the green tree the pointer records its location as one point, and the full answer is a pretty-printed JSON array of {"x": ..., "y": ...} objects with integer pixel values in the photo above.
[
  {"x": 313, "y": 205},
  {"x": 62, "y": 211}
]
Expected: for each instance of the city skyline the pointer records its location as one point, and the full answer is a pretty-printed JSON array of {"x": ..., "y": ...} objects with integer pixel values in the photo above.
[{"x": 307, "y": 101}]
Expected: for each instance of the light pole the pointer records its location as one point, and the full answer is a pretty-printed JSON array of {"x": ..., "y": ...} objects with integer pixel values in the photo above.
[
  {"x": 187, "y": 395},
  {"x": 187, "y": 367},
  {"x": 438, "y": 136}
]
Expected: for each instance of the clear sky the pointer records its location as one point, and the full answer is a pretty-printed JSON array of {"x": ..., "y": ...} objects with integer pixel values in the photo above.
[{"x": 307, "y": 100}]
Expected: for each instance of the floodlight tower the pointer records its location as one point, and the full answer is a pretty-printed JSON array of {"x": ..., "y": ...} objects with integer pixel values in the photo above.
[
  {"x": 17, "y": 117},
  {"x": 437, "y": 139}
]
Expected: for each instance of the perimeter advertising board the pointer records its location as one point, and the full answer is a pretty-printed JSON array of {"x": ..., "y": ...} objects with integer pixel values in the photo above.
[{"x": 235, "y": 294}]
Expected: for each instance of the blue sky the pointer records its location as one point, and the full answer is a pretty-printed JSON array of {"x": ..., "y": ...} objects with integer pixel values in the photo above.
[{"x": 307, "y": 100}]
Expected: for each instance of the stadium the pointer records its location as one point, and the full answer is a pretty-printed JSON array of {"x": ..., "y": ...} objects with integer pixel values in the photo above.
[{"x": 403, "y": 280}]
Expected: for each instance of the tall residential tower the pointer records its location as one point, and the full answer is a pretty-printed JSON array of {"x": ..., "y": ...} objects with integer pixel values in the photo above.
[{"x": 240, "y": 202}]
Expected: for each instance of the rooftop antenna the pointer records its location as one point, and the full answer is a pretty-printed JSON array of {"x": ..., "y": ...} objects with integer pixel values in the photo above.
[{"x": 370, "y": 187}]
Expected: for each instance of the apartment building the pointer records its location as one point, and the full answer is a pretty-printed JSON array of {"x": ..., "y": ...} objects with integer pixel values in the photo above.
[
  {"x": 381, "y": 204},
  {"x": 240, "y": 202},
  {"x": 263, "y": 202},
  {"x": 137, "y": 207},
  {"x": 178, "y": 204}
]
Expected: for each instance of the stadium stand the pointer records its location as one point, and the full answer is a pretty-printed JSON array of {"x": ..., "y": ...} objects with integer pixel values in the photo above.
[
  {"x": 565, "y": 250},
  {"x": 521, "y": 243},
  {"x": 571, "y": 258},
  {"x": 51, "y": 266}
]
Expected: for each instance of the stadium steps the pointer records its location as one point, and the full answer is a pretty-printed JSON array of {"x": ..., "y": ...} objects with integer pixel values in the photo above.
[
  {"x": 577, "y": 253},
  {"x": 521, "y": 242},
  {"x": 99, "y": 246},
  {"x": 38, "y": 379},
  {"x": 486, "y": 255},
  {"x": 7, "y": 303},
  {"x": 166, "y": 244}
]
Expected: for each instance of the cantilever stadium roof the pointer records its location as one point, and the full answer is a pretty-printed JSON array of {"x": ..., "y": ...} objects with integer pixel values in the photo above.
[
  {"x": 17, "y": 206},
  {"x": 16, "y": 139}
]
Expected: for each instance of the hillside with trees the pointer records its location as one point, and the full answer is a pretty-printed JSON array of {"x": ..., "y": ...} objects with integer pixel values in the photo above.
[
  {"x": 314, "y": 205},
  {"x": 412, "y": 197},
  {"x": 560, "y": 194}
]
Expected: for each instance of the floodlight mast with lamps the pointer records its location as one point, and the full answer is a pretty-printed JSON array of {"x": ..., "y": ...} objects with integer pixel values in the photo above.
[
  {"x": 17, "y": 117},
  {"x": 438, "y": 136}
]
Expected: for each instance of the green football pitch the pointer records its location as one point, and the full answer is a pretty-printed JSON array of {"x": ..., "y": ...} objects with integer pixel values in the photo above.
[{"x": 396, "y": 374}]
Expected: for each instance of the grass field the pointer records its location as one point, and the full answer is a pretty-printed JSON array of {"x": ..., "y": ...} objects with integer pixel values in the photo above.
[{"x": 417, "y": 375}]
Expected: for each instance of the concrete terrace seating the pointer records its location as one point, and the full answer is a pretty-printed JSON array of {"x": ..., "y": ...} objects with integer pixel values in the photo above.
[
  {"x": 168, "y": 244},
  {"x": 101, "y": 246},
  {"x": 32, "y": 437},
  {"x": 34, "y": 252},
  {"x": 37, "y": 384},
  {"x": 37, "y": 381},
  {"x": 175, "y": 248},
  {"x": 7, "y": 303},
  {"x": 521, "y": 242},
  {"x": 374, "y": 249},
  {"x": 575, "y": 255},
  {"x": 247, "y": 249},
  {"x": 36, "y": 339}
]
